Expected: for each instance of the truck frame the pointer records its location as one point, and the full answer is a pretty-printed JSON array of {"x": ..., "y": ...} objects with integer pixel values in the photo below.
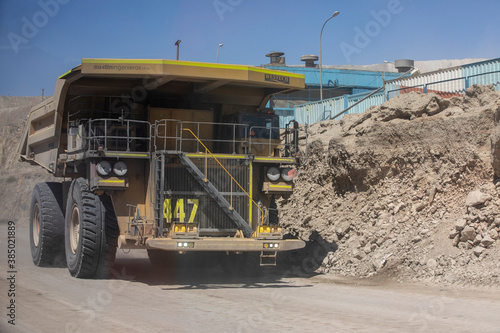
[{"x": 167, "y": 156}]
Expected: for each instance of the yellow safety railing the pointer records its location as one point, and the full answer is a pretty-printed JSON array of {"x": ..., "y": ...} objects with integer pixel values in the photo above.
[{"x": 207, "y": 151}]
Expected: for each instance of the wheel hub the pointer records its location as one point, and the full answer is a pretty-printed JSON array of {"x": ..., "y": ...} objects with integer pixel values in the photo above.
[
  {"x": 74, "y": 229},
  {"x": 36, "y": 225}
]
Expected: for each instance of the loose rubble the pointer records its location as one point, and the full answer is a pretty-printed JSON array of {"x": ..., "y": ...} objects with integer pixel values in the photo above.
[{"x": 407, "y": 190}]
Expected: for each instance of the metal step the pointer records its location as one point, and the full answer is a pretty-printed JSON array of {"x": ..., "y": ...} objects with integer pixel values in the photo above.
[
  {"x": 268, "y": 258},
  {"x": 215, "y": 194}
]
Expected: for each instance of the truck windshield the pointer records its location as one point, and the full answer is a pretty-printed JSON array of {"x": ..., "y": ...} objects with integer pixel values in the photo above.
[{"x": 261, "y": 125}]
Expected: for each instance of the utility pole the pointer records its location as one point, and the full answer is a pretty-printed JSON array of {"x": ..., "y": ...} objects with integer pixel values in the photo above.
[
  {"x": 218, "y": 52},
  {"x": 321, "y": 58},
  {"x": 177, "y": 44}
]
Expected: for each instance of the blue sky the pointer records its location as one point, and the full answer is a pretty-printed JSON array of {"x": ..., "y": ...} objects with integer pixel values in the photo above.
[{"x": 40, "y": 40}]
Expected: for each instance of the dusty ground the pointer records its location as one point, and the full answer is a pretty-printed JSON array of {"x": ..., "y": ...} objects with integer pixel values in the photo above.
[
  {"x": 405, "y": 191},
  {"x": 140, "y": 299}
]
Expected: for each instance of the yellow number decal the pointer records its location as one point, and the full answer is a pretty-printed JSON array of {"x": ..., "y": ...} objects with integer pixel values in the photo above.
[
  {"x": 167, "y": 210},
  {"x": 179, "y": 210},
  {"x": 196, "y": 203}
]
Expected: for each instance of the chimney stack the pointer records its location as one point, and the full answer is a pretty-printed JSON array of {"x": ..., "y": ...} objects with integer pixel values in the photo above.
[
  {"x": 404, "y": 65},
  {"x": 309, "y": 60},
  {"x": 277, "y": 58}
]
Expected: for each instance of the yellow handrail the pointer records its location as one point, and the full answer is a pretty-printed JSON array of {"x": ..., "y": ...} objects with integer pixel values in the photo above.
[{"x": 232, "y": 178}]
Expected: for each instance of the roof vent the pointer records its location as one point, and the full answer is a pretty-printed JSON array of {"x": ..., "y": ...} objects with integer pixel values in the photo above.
[
  {"x": 309, "y": 60},
  {"x": 404, "y": 65},
  {"x": 277, "y": 58}
]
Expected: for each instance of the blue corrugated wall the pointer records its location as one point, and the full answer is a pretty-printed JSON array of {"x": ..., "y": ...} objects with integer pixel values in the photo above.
[{"x": 484, "y": 73}]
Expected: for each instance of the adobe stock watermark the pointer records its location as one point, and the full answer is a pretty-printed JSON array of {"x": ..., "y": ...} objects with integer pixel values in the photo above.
[
  {"x": 261, "y": 312},
  {"x": 31, "y": 27},
  {"x": 96, "y": 303},
  {"x": 433, "y": 311},
  {"x": 373, "y": 28},
  {"x": 223, "y": 6}
]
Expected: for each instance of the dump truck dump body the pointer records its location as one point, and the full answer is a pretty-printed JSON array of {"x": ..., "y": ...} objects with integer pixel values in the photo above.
[{"x": 182, "y": 156}]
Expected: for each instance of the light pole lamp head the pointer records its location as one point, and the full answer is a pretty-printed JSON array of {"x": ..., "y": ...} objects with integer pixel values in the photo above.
[
  {"x": 221, "y": 44},
  {"x": 336, "y": 13},
  {"x": 178, "y": 42}
]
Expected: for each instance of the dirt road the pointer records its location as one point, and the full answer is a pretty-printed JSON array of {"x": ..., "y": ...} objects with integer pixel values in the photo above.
[{"x": 140, "y": 299}]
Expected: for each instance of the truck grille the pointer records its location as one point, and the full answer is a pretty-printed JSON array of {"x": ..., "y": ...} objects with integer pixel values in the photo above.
[{"x": 181, "y": 185}]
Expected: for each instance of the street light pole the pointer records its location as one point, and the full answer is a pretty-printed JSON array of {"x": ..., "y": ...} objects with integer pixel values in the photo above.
[
  {"x": 320, "y": 58},
  {"x": 177, "y": 44},
  {"x": 218, "y": 52}
]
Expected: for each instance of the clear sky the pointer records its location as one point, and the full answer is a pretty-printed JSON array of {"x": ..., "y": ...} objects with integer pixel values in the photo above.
[{"x": 40, "y": 40}]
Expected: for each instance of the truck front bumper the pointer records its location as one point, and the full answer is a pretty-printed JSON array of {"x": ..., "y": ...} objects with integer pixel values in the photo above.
[{"x": 217, "y": 244}]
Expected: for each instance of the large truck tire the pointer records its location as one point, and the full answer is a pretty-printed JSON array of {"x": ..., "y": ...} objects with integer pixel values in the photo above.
[
  {"x": 91, "y": 232},
  {"x": 47, "y": 224}
]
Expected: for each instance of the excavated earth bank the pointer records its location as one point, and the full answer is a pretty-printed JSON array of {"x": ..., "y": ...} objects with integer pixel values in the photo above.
[
  {"x": 406, "y": 190},
  {"x": 16, "y": 179}
]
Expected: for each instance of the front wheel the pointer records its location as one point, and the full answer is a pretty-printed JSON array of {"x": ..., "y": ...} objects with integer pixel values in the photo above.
[{"x": 91, "y": 232}]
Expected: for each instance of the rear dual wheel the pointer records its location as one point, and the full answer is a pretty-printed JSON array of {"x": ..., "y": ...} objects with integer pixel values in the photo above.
[
  {"x": 47, "y": 225},
  {"x": 91, "y": 232}
]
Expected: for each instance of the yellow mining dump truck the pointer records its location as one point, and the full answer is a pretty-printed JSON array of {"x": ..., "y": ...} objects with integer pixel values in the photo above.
[{"x": 160, "y": 155}]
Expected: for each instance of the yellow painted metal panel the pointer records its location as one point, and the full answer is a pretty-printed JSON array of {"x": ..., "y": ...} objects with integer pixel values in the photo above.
[
  {"x": 280, "y": 186},
  {"x": 190, "y": 63},
  {"x": 250, "y": 215},
  {"x": 229, "y": 157},
  {"x": 272, "y": 159},
  {"x": 189, "y": 69}
]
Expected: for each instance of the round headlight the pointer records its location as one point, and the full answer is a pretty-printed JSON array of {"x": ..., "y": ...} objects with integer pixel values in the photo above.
[
  {"x": 103, "y": 168},
  {"x": 120, "y": 168},
  {"x": 273, "y": 174},
  {"x": 287, "y": 174}
]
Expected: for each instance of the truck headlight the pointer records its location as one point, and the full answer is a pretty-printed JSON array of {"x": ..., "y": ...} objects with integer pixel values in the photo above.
[
  {"x": 185, "y": 245},
  {"x": 285, "y": 174},
  {"x": 104, "y": 168},
  {"x": 273, "y": 174},
  {"x": 120, "y": 169}
]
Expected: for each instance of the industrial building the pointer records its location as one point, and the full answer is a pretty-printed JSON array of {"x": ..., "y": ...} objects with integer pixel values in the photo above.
[
  {"x": 336, "y": 82},
  {"x": 353, "y": 89}
]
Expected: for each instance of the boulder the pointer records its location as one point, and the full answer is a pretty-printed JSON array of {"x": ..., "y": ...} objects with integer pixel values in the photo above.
[
  {"x": 476, "y": 198},
  {"x": 487, "y": 241},
  {"x": 468, "y": 234},
  {"x": 419, "y": 206},
  {"x": 478, "y": 239},
  {"x": 478, "y": 250},
  {"x": 493, "y": 234},
  {"x": 460, "y": 224},
  {"x": 453, "y": 233},
  {"x": 358, "y": 254},
  {"x": 416, "y": 239}
]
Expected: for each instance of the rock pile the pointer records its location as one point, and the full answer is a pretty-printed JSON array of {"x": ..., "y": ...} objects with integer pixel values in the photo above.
[
  {"x": 382, "y": 190},
  {"x": 479, "y": 227}
]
